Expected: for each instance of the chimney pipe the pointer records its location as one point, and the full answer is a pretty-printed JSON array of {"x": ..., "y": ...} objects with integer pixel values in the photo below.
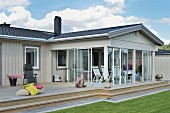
[
  {"x": 5, "y": 24},
  {"x": 57, "y": 25}
]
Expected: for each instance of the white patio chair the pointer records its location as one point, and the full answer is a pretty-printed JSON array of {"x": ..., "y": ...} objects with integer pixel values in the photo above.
[
  {"x": 116, "y": 75},
  {"x": 128, "y": 75},
  {"x": 96, "y": 72},
  {"x": 102, "y": 69},
  {"x": 102, "y": 72}
]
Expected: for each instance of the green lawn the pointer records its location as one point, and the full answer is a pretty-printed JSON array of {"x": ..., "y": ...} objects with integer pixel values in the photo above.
[{"x": 156, "y": 103}]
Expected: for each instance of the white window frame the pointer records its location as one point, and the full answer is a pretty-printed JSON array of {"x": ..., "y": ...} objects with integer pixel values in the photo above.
[
  {"x": 66, "y": 59},
  {"x": 32, "y": 47}
]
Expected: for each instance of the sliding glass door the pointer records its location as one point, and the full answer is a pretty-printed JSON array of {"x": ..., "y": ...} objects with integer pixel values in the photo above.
[
  {"x": 79, "y": 62},
  {"x": 120, "y": 65},
  {"x": 84, "y": 63}
]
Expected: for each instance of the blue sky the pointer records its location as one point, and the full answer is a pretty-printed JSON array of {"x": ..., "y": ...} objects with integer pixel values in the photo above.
[
  {"x": 88, "y": 14},
  {"x": 153, "y": 9}
]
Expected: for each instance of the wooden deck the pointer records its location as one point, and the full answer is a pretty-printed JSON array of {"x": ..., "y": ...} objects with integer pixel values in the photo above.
[{"x": 58, "y": 92}]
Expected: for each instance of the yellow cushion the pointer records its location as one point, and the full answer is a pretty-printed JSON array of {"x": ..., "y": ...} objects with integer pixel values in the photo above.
[
  {"x": 32, "y": 90},
  {"x": 27, "y": 85}
]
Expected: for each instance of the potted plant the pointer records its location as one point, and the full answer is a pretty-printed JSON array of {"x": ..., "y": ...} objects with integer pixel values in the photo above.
[
  {"x": 159, "y": 77},
  {"x": 140, "y": 72},
  {"x": 107, "y": 83},
  {"x": 13, "y": 78}
]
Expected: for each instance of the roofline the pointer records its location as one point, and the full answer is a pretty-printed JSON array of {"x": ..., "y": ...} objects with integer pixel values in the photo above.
[
  {"x": 22, "y": 38},
  {"x": 111, "y": 34},
  {"x": 162, "y": 53},
  {"x": 123, "y": 31},
  {"x": 154, "y": 37},
  {"x": 139, "y": 27},
  {"x": 79, "y": 37},
  {"x": 52, "y": 38}
]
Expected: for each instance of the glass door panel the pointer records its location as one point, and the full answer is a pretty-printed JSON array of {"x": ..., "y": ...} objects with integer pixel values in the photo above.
[
  {"x": 117, "y": 66},
  {"x": 147, "y": 66},
  {"x": 71, "y": 66},
  {"x": 84, "y": 63},
  {"x": 110, "y": 62},
  {"x": 124, "y": 66},
  {"x": 80, "y": 62},
  {"x": 80, "y": 65},
  {"x": 89, "y": 74}
]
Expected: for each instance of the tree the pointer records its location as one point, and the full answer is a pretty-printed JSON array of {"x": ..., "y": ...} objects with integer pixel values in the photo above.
[{"x": 165, "y": 47}]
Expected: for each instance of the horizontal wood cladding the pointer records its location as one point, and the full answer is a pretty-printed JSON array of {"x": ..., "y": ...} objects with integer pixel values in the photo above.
[
  {"x": 162, "y": 65},
  {"x": 58, "y": 71},
  {"x": 13, "y": 60},
  {"x": 62, "y": 73}
]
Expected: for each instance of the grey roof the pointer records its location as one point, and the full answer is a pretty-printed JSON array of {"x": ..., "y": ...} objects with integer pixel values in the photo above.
[
  {"x": 162, "y": 52},
  {"x": 13, "y": 31},
  {"x": 93, "y": 32},
  {"x": 27, "y": 34}
]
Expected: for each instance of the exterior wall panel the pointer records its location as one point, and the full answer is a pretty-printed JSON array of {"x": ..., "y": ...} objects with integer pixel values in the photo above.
[
  {"x": 162, "y": 65},
  {"x": 80, "y": 44},
  {"x": 0, "y": 64},
  {"x": 62, "y": 73},
  {"x": 13, "y": 60},
  {"x": 58, "y": 71},
  {"x": 133, "y": 41}
]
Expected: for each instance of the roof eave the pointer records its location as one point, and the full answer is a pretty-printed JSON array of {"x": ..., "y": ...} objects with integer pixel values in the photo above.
[
  {"x": 118, "y": 32},
  {"x": 154, "y": 37},
  {"x": 23, "y": 38},
  {"x": 80, "y": 37}
]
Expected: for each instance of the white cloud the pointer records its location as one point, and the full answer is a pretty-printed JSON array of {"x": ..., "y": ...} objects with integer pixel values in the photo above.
[
  {"x": 4, "y": 4},
  {"x": 73, "y": 19},
  {"x": 165, "y": 20},
  {"x": 76, "y": 20},
  {"x": 115, "y": 6},
  {"x": 18, "y": 16}
]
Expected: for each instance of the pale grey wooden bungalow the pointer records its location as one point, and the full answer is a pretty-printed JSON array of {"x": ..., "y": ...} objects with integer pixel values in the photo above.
[{"x": 119, "y": 50}]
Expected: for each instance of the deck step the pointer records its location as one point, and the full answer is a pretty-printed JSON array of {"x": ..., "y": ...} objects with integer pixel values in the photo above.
[
  {"x": 46, "y": 103},
  {"x": 51, "y": 100}
]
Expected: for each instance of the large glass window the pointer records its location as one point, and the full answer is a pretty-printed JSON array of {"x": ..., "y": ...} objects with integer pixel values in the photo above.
[
  {"x": 62, "y": 58},
  {"x": 32, "y": 56}
]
